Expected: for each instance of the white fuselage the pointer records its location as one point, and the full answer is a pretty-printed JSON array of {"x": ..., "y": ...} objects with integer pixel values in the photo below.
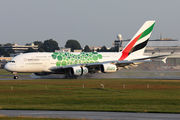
[{"x": 42, "y": 61}]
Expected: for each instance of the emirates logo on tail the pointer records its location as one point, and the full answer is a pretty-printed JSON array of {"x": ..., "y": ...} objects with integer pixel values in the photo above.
[{"x": 139, "y": 41}]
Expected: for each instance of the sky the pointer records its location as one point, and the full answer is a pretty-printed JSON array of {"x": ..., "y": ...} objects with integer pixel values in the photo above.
[{"x": 90, "y": 22}]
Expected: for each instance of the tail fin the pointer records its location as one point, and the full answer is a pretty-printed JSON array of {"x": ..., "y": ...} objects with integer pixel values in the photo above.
[{"x": 138, "y": 43}]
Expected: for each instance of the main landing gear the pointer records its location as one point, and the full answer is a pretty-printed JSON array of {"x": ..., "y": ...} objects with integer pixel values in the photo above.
[{"x": 15, "y": 75}]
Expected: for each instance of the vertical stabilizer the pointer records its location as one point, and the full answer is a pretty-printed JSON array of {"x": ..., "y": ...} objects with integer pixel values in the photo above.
[{"x": 138, "y": 43}]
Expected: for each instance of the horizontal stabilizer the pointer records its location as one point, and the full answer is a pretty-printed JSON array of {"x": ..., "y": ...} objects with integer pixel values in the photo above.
[{"x": 152, "y": 57}]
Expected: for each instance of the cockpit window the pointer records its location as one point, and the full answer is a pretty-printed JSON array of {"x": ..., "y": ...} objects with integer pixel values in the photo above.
[{"x": 12, "y": 61}]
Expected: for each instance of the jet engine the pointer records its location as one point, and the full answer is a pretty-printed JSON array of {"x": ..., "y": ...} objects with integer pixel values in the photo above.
[
  {"x": 108, "y": 68},
  {"x": 78, "y": 71}
]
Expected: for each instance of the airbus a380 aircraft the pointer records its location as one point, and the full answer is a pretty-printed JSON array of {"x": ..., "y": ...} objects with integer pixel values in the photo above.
[{"x": 78, "y": 64}]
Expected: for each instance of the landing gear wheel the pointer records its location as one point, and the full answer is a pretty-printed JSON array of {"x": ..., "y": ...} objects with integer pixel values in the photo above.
[{"x": 15, "y": 77}]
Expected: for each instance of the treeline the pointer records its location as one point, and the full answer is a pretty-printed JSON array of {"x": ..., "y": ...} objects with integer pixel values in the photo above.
[
  {"x": 51, "y": 45},
  {"x": 6, "y": 53},
  {"x": 46, "y": 46},
  {"x": 75, "y": 45}
]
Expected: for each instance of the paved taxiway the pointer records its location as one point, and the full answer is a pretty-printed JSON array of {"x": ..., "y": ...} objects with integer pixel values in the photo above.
[
  {"x": 27, "y": 77},
  {"x": 158, "y": 78},
  {"x": 94, "y": 115},
  {"x": 130, "y": 74},
  {"x": 91, "y": 115}
]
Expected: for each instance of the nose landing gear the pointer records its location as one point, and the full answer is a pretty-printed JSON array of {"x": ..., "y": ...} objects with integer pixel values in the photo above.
[{"x": 15, "y": 75}]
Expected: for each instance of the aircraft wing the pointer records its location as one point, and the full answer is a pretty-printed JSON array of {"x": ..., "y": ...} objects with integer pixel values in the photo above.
[
  {"x": 93, "y": 65},
  {"x": 118, "y": 63}
]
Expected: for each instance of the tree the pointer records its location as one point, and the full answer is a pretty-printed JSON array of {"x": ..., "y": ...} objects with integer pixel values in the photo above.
[
  {"x": 11, "y": 51},
  {"x": 39, "y": 43},
  {"x": 2, "y": 51},
  {"x": 50, "y": 45},
  {"x": 41, "y": 50},
  {"x": 103, "y": 49},
  {"x": 8, "y": 44},
  {"x": 87, "y": 49},
  {"x": 114, "y": 49},
  {"x": 40, "y": 46},
  {"x": 27, "y": 44},
  {"x": 8, "y": 52},
  {"x": 73, "y": 44}
]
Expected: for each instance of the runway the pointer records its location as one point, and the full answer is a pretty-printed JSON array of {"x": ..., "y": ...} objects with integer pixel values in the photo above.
[
  {"x": 157, "y": 78},
  {"x": 123, "y": 74},
  {"x": 91, "y": 115}
]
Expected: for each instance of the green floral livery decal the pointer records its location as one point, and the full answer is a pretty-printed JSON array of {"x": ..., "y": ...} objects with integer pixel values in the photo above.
[{"x": 73, "y": 59}]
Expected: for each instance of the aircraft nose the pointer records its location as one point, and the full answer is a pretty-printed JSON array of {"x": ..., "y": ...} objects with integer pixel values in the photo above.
[{"x": 7, "y": 67}]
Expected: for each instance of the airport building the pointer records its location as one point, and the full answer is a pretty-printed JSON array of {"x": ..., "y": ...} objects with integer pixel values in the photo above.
[
  {"x": 95, "y": 48},
  {"x": 167, "y": 46},
  {"x": 4, "y": 60},
  {"x": 62, "y": 49},
  {"x": 19, "y": 48}
]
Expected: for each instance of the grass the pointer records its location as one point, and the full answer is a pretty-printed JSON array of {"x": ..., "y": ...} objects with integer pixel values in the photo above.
[
  {"x": 65, "y": 94},
  {"x": 4, "y": 72}
]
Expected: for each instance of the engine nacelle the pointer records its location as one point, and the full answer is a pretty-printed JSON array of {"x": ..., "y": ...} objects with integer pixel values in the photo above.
[
  {"x": 78, "y": 71},
  {"x": 108, "y": 68}
]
